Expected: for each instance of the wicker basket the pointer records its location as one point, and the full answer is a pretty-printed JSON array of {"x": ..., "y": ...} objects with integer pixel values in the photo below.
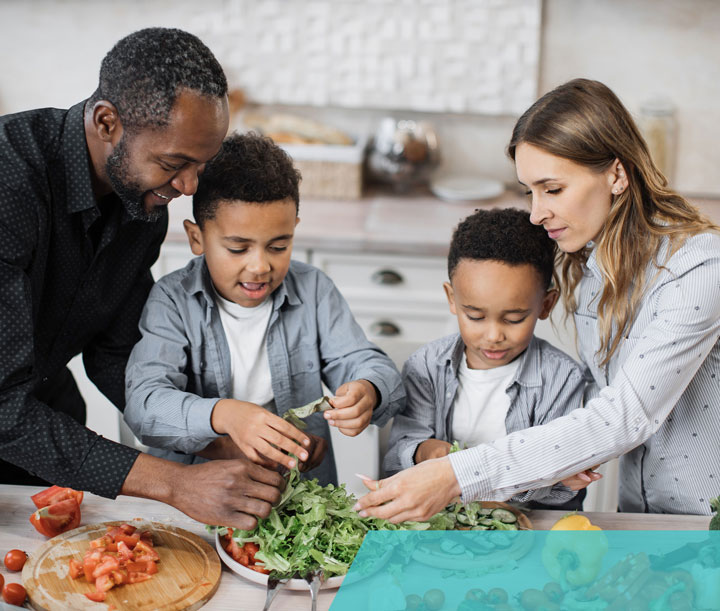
[{"x": 329, "y": 171}]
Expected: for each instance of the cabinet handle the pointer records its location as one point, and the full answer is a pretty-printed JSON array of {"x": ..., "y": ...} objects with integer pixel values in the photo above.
[
  {"x": 387, "y": 276},
  {"x": 384, "y": 328}
]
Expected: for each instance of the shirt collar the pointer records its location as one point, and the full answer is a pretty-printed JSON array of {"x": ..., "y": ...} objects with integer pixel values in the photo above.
[
  {"x": 529, "y": 366},
  {"x": 80, "y": 195}
]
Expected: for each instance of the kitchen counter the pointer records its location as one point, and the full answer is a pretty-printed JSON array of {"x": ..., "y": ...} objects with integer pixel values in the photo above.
[
  {"x": 416, "y": 223},
  {"x": 234, "y": 592}
]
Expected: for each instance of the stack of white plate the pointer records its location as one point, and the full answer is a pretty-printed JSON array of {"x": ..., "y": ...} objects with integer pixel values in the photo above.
[{"x": 466, "y": 188}]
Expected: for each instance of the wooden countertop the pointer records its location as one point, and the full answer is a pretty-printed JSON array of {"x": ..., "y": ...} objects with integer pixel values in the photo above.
[
  {"x": 416, "y": 223},
  {"x": 235, "y": 592}
]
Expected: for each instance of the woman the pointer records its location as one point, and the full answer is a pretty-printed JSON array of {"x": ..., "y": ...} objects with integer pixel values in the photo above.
[{"x": 641, "y": 273}]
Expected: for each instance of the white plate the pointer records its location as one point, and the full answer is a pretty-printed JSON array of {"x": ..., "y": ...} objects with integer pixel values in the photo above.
[
  {"x": 262, "y": 579},
  {"x": 466, "y": 188}
]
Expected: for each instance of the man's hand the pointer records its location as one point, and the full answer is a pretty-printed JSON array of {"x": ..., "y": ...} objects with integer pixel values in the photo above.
[
  {"x": 413, "y": 494},
  {"x": 259, "y": 434},
  {"x": 583, "y": 479},
  {"x": 318, "y": 448},
  {"x": 224, "y": 448},
  {"x": 224, "y": 492},
  {"x": 431, "y": 448},
  {"x": 354, "y": 403}
]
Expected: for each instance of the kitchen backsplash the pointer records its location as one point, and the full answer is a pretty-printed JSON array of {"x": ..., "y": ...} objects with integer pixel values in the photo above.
[{"x": 478, "y": 56}]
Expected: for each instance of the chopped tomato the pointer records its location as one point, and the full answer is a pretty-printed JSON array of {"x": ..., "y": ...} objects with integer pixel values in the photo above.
[
  {"x": 129, "y": 540},
  {"x": 97, "y": 597},
  {"x": 104, "y": 583},
  {"x": 91, "y": 560},
  {"x": 143, "y": 551},
  {"x": 107, "y": 565},
  {"x": 55, "y": 494},
  {"x": 56, "y": 518},
  {"x": 124, "y": 552},
  {"x": 251, "y": 549},
  {"x": 259, "y": 569},
  {"x": 146, "y": 536},
  {"x": 138, "y": 577},
  {"x": 105, "y": 542},
  {"x": 119, "y": 577},
  {"x": 76, "y": 568}
]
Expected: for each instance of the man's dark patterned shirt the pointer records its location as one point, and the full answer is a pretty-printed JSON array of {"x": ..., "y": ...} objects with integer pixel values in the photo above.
[{"x": 74, "y": 276}]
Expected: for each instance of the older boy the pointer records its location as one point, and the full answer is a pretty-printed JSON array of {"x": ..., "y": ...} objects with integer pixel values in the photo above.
[
  {"x": 495, "y": 376},
  {"x": 242, "y": 334}
]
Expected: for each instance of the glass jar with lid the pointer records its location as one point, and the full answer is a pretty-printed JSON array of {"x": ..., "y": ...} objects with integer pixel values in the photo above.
[{"x": 659, "y": 126}]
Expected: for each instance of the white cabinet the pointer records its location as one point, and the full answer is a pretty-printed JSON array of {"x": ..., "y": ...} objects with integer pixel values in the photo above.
[{"x": 398, "y": 300}]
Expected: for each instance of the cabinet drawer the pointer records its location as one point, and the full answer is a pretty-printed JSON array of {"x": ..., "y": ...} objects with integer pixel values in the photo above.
[
  {"x": 414, "y": 326},
  {"x": 385, "y": 277}
]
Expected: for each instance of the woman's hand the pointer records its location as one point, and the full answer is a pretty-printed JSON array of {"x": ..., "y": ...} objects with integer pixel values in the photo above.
[
  {"x": 259, "y": 434},
  {"x": 414, "y": 494}
]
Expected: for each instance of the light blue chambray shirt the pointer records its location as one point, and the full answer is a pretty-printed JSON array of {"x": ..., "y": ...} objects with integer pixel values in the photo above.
[
  {"x": 181, "y": 366},
  {"x": 657, "y": 403},
  {"x": 547, "y": 384}
]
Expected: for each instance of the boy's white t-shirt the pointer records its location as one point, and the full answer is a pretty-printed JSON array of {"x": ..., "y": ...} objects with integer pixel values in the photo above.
[
  {"x": 246, "y": 333},
  {"x": 481, "y": 403}
]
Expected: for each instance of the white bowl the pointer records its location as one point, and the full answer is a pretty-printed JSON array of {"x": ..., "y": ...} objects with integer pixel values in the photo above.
[{"x": 262, "y": 579}]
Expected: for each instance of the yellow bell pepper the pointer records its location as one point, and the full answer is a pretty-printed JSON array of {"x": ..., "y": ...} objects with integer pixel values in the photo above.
[
  {"x": 574, "y": 558},
  {"x": 574, "y": 521}
]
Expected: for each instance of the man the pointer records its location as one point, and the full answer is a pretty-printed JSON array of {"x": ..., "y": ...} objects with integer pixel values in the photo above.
[{"x": 83, "y": 211}]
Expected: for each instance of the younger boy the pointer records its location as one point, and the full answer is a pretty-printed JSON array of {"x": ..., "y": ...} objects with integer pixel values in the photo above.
[
  {"x": 242, "y": 333},
  {"x": 495, "y": 376}
]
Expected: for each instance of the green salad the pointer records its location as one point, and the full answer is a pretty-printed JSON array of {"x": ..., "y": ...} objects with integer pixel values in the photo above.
[{"x": 315, "y": 527}]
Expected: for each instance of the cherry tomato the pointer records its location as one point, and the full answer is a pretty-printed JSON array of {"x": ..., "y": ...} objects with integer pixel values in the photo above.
[
  {"x": 15, "y": 560},
  {"x": 14, "y": 594},
  {"x": 434, "y": 599}
]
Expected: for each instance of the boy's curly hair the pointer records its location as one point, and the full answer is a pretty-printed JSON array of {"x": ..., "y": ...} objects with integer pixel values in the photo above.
[
  {"x": 248, "y": 168},
  {"x": 505, "y": 235}
]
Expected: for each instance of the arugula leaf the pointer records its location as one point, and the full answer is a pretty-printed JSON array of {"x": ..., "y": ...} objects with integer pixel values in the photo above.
[{"x": 295, "y": 415}]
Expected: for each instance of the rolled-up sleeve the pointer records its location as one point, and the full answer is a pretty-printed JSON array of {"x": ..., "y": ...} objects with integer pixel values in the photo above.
[
  {"x": 663, "y": 360},
  {"x": 158, "y": 409}
]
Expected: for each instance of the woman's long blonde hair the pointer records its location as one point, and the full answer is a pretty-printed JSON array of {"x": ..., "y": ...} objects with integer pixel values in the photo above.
[{"x": 585, "y": 122}]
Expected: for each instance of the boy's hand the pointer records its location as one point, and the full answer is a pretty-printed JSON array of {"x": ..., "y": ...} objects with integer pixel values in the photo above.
[
  {"x": 431, "y": 448},
  {"x": 318, "y": 448},
  {"x": 583, "y": 479},
  {"x": 259, "y": 434},
  {"x": 354, "y": 403}
]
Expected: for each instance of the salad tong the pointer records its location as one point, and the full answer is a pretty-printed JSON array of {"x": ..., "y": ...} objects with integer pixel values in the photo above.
[{"x": 276, "y": 582}]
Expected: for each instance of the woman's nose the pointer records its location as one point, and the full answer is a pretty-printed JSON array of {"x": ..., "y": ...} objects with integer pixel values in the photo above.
[{"x": 538, "y": 212}]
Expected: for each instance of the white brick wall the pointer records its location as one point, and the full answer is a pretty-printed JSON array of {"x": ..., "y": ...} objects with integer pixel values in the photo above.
[{"x": 475, "y": 56}]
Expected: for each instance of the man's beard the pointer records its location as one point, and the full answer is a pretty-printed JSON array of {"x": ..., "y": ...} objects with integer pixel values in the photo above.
[{"x": 117, "y": 168}]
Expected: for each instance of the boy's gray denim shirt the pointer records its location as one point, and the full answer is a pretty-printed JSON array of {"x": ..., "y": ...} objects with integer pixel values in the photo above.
[
  {"x": 181, "y": 366},
  {"x": 547, "y": 384}
]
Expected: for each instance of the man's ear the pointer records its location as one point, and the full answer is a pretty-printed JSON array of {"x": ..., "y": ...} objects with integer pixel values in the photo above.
[
  {"x": 106, "y": 122},
  {"x": 450, "y": 294},
  {"x": 549, "y": 301},
  {"x": 195, "y": 237}
]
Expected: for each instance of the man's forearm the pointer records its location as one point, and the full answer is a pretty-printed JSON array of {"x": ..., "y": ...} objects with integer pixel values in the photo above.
[{"x": 152, "y": 478}]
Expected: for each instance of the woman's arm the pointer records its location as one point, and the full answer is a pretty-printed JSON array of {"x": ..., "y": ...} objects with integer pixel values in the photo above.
[{"x": 641, "y": 395}]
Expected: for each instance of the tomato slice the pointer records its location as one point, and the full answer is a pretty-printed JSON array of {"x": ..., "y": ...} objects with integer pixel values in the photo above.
[
  {"x": 76, "y": 568},
  {"x": 56, "y": 518},
  {"x": 55, "y": 494}
]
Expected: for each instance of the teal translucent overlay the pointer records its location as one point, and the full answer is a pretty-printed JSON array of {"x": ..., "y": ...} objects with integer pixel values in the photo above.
[{"x": 550, "y": 570}]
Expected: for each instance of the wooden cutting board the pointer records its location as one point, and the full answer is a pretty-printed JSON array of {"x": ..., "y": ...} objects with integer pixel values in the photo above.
[{"x": 188, "y": 575}]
